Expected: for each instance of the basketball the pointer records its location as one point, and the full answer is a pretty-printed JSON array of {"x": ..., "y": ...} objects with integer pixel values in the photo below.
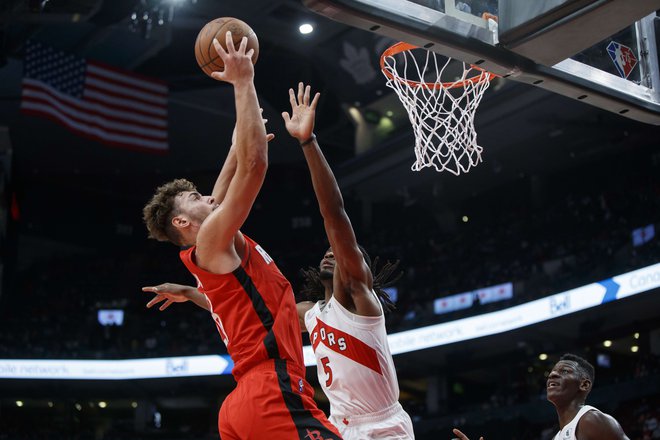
[{"x": 207, "y": 57}]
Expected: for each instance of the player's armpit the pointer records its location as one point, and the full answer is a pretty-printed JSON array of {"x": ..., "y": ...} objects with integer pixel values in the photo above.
[{"x": 303, "y": 307}]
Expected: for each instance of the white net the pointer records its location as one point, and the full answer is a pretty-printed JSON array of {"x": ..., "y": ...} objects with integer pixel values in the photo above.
[{"x": 441, "y": 113}]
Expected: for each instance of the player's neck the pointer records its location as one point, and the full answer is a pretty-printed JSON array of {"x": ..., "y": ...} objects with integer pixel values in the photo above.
[{"x": 567, "y": 412}]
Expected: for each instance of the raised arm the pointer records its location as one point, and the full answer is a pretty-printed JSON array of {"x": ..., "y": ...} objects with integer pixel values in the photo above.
[
  {"x": 229, "y": 168},
  {"x": 353, "y": 282},
  {"x": 216, "y": 236}
]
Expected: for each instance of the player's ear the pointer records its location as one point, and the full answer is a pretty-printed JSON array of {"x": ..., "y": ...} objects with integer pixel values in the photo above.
[
  {"x": 180, "y": 222},
  {"x": 585, "y": 385}
]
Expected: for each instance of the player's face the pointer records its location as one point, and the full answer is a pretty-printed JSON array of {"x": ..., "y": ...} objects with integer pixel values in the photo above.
[
  {"x": 563, "y": 382},
  {"x": 195, "y": 206},
  {"x": 327, "y": 265}
]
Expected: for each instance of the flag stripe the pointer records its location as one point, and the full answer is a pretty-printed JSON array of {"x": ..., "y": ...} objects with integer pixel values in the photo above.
[
  {"x": 34, "y": 108},
  {"x": 35, "y": 88},
  {"x": 120, "y": 89},
  {"x": 111, "y": 73},
  {"x": 100, "y": 102},
  {"x": 97, "y": 121},
  {"x": 121, "y": 102}
]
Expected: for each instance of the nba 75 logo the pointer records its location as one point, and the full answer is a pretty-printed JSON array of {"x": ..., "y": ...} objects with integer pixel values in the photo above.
[{"x": 623, "y": 58}]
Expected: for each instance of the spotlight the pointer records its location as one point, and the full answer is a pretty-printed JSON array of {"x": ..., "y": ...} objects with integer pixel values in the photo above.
[{"x": 306, "y": 28}]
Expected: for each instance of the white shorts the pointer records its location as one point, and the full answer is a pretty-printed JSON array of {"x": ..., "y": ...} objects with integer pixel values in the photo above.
[{"x": 392, "y": 423}]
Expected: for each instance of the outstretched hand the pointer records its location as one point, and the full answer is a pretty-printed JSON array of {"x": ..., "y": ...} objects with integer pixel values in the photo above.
[
  {"x": 300, "y": 123},
  {"x": 461, "y": 436},
  {"x": 238, "y": 62},
  {"x": 169, "y": 292}
]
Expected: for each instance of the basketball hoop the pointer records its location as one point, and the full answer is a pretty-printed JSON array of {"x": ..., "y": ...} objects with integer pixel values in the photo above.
[{"x": 441, "y": 112}]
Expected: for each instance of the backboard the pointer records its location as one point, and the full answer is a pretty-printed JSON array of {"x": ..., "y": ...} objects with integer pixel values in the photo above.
[{"x": 602, "y": 52}]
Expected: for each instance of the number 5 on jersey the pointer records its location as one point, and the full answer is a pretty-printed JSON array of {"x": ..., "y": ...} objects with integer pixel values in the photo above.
[{"x": 326, "y": 368}]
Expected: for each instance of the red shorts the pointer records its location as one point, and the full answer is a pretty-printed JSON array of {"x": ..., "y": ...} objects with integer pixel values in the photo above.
[{"x": 274, "y": 401}]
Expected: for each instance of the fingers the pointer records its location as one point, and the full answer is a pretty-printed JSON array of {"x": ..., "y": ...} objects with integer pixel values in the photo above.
[
  {"x": 300, "y": 92},
  {"x": 155, "y": 300},
  {"x": 243, "y": 46},
  {"x": 292, "y": 99},
  {"x": 150, "y": 289},
  {"x": 308, "y": 90},
  {"x": 220, "y": 76},
  {"x": 229, "y": 42},
  {"x": 286, "y": 116},
  {"x": 166, "y": 305},
  {"x": 459, "y": 434},
  {"x": 219, "y": 49},
  {"x": 315, "y": 101},
  {"x": 270, "y": 137}
]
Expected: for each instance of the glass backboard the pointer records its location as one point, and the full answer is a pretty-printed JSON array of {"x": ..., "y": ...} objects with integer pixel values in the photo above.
[{"x": 604, "y": 53}]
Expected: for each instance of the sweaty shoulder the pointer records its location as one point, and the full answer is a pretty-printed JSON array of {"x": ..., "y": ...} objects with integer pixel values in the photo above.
[{"x": 596, "y": 425}]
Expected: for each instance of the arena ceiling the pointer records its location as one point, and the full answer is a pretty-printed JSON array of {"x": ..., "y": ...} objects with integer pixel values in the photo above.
[{"x": 523, "y": 130}]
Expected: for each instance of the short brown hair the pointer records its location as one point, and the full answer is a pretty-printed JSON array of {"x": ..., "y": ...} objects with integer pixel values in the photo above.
[{"x": 161, "y": 209}]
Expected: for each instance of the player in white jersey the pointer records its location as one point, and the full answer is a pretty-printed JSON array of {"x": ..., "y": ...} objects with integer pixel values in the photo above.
[
  {"x": 568, "y": 386},
  {"x": 347, "y": 329}
]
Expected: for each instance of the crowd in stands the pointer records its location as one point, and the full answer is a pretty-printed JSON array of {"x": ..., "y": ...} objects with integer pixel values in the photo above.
[{"x": 573, "y": 235}]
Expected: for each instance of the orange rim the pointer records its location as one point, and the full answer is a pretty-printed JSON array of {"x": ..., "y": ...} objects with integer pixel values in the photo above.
[{"x": 402, "y": 47}]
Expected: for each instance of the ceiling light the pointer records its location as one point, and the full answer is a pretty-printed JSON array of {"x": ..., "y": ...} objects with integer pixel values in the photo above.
[
  {"x": 389, "y": 113},
  {"x": 636, "y": 335},
  {"x": 634, "y": 348},
  {"x": 78, "y": 406},
  {"x": 102, "y": 404},
  {"x": 306, "y": 28},
  {"x": 543, "y": 356},
  {"x": 19, "y": 403},
  {"x": 134, "y": 404},
  {"x": 50, "y": 404},
  {"x": 465, "y": 220},
  {"x": 607, "y": 343}
]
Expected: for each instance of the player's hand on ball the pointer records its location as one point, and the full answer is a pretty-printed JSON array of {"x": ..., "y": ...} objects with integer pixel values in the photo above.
[
  {"x": 300, "y": 123},
  {"x": 237, "y": 62},
  {"x": 169, "y": 292}
]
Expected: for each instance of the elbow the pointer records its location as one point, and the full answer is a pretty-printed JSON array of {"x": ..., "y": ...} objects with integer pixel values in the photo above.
[{"x": 258, "y": 163}]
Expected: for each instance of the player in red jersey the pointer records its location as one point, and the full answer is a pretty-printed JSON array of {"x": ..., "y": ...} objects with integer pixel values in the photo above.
[
  {"x": 251, "y": 302},
  {"x": 354, "y": 363}
]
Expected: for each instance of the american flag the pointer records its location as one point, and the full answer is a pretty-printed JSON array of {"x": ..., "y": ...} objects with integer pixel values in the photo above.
[{"x": 107, "y": 104}]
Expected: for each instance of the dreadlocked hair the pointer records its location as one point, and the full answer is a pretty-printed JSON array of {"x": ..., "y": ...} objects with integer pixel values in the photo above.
[{"x": 383, "y": 278}]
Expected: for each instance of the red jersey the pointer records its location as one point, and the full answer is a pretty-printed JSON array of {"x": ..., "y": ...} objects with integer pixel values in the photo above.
[{"x": 254, "y": 309}]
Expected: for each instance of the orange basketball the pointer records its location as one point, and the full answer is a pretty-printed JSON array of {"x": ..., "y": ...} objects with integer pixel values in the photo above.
[{"x": 206, "y": 55}]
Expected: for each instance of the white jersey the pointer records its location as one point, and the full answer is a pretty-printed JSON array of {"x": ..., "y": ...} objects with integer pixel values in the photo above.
[
  {"x": 568, "y": 431},
  {"x": 356, "y": 370}
]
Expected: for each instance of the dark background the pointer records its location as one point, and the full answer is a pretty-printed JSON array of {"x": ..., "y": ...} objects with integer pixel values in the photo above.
[{"x": 552, "y": 207}]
